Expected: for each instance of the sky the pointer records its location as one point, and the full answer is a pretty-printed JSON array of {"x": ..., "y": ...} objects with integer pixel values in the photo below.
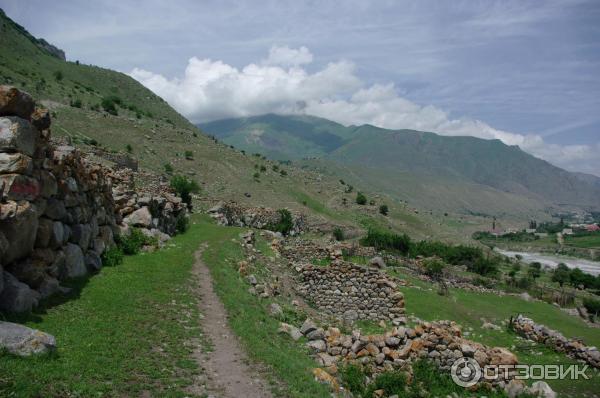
[{"x": 524, "y": 72}]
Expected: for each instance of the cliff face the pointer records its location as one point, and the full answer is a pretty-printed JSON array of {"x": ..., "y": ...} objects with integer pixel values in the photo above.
[{"x": 59, "y": 211}]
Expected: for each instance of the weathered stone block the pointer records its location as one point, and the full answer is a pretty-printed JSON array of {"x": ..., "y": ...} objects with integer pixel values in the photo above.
[
  {"x": 55, "y": 209},
  {"x": 44, "y": 232},
  {"x": 17, "y": 296},
  {"x": 14, "y": 102},
  {"x": 17, "y": 135},
  {"x": 20, "y": 230},
  {"x": 81, "y": 235},
  {"x": 140, "y": 218},
  {"x": 20, "y": 187},
  {"x": 48, "y": 185},
  {"x": 23, "y": 341},
  {"x": 15, "y": 163},
  {"x": 74, "y": 261}
]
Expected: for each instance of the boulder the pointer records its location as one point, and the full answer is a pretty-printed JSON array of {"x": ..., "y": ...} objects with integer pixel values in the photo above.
[
  {"x": 514, "y": 388},
  {"x": 48, "y": 184},
  {"x": 55, "y": 209},
  {"x": 292, "y": 331},
  {"x": 140, "y": 218},
  {"x": 542, "y": 389},
  {"x": 93, "y": 261},
  {"x": 40, "y": 118},
  {"x": 81, "y": 234},
  {"x": 17, "y": 296},
  {"x": 17, "y": 135},
  {"x": 308, "y": 326},
  {"x": 57, "y": 235},
  {"x": 74, "y": 261},
  {"x": 44, "y": 232},
  {"x": 23, "y": 341},
  {"x": 20, "y": 228},
  {"x": 377, "y": 262},
  {"x": 16, "y": 163},
  {"x": 20, "y": 187},
  {"x": 14, "y": 102},
  {"x": 275, "y": 310}
]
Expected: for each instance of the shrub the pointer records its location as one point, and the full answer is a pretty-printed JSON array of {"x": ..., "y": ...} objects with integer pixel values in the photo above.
[
  {"x": 361, "y": 199},
  {"x": 434, "y": 268},
  {"x": 133, "y": 243},
  {"x": 184, "y": 188},
  {"x": 109, "y": 104},
  {"x": 283, "y": 173},
  {"x": 112, "y": 257},
  {"x": 129, "y": 148},
  {"x": 285, "y": 223},
  {"x": 384, "y": 240},
  {"x": 58, "y": 75},
  {"x": 535, "y": 270},
  {"x": 189, "y": 155},
  {"x": 168, "y": 168},
  {"x": 353, "y": 378},
  {"x": 76, "y": 103},
  {"x": 483, "y": 266},
  {"x": 390, "y": 382},
  {"x": 256, "y": 176},
  {"x": 383, "y": 209},
  {"x": 338, "y": 234},
  {"x": 592, "y": 306},
  {"x": 263, "y": 168},
  {"x": 275, "y": 168},
  {"x": 182, "y": 223}
]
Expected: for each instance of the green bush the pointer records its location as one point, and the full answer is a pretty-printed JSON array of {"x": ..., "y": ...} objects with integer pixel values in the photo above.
[
  {"x": 133, "y": 243},
  {"x": 182, "y": 223},
  {"x": 129, "y": 148},
  {"x": 434, "y": 267},
  {"x": 184, "y": 188},
  {"x": 390, "y": 382},
  {"x": 361, "y": 199},
  {"x": 383, "y": 209},
  {"x": 338, "y": 234},
  {"x": 58, "y": 75},
  {"x": 285, "y": 223},
  {"x": 353, "y": 378},
  {"x": 384, "y": 240},
  {"x": 168, "y": 168},
  {"x": 189, "y": 155},
  {"x": 76, "y": 103},
  {"x": 592, "y": 306},
  {"x": 112, "y": 257},
  {"x": 263, "y": 168},
  {"x": 109, "y": 104},
  {"x": 283, "y": 173}
]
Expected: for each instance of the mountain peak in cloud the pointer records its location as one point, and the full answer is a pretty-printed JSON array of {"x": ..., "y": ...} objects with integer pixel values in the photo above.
[{"x": 211, "y": 90}]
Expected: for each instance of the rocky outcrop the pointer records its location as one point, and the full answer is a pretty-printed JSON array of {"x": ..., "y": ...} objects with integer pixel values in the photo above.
[
  {"x": 556, "y": 341},
  {"x": 59, "y": 211},
  {"x": 352, "y": 292},
  {"x": 23, "y": 341},
  {"x": 233, "y": 214}
]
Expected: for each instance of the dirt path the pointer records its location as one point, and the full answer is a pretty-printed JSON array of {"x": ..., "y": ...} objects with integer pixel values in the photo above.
[{"x": 227, "y": 370}]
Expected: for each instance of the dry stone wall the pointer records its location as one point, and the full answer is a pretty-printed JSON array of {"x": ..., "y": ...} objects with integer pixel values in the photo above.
[
  {"x": 352, "y": 292},
  {"x": 555, "y": 340},
  {"x": 233, "y": 214},
  {"x": 57, "y": 210}
]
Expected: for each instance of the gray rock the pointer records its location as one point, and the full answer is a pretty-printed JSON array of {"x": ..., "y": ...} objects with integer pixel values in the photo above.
[
  {"x": 14, "y": 102},
  {"x": 81, "y": 234},
  {"x": 23, "y": 341},
  {"x": 20, "y": 231},
  {"x": 292, "y": 331},
  {"x": 17, "y": 135},
  {"x": 275, "y": 310},
  {"x": 74, "y": 261},
  {"x": 377, "y": 262},
  {"x": 44, "y": 232},
  {"x": 308, "y": 326},
  {"x": 20, "y": 187},
  {"x": 318, "y": 334},
  {"x": 93, "y": 261},
  {"x": 251, "y": 279},
  {"x": 317, "y": 345},
  {"x": 467, "y": 350},
  {"x": 514, "y": 388},
  {"x": 542, "y": 389},
  {"x": 140, "y": 218},
  {"x": 55, "y": 209},
  {"x": 17, "y": 296},
  {"x": 48, "y": 287}
]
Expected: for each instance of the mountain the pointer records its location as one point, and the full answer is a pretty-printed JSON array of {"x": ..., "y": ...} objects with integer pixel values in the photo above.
[
  {"x": 98, "y": 109},
  {"x": 457, "y": 173}
]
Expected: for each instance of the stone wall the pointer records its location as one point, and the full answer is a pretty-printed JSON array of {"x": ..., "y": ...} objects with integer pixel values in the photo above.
[
  {"x": 233, "y": 214},
  {"x": 352, "y": 292},
  {"x": 58, "y": 212},
  {"x": 555, "y": 340}
]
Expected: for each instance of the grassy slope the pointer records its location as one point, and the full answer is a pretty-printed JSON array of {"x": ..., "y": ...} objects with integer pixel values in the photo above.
[
  {"x": 469, "y": 308},
  {"x": 122, "y": 335}
]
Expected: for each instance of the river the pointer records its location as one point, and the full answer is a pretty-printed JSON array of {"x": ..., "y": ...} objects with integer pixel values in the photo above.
[{"x": 591, "y": 267}]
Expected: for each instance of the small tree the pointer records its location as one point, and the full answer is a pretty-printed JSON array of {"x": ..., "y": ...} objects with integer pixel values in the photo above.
[
  {"x": 361, "y": 199},
  {"x": 434, "y": 268},
  {"x": 184, "y": 188},
  {"x": 561, "y": 274},
  {"x": 338, "y": 234},
  {"x": 383, "y": 209},
  {"x": 285, "y": 223},
  {"x": 535, "y": 270}
]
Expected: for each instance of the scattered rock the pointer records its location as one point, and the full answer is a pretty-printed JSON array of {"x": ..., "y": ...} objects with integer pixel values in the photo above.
[{"x": 23, "y": 341}]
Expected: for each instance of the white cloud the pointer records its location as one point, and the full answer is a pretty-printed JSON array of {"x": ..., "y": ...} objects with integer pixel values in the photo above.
[{"x": 211, "y": 90}]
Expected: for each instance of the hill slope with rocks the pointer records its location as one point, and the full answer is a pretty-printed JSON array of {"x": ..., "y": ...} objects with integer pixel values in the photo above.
[{"x": 470, "y": 174}]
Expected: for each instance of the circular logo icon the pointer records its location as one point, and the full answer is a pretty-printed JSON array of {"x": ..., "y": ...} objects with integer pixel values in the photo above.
[{"x": 466, "y": 372}]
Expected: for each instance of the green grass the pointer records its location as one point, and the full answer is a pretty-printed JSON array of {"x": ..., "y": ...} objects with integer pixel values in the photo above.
[
  {"x": 468, "y": 308},
  {"x": 286, "y": 360},
  {"x": 586, "y": 242},
  {"x": 123, "y": 333}
]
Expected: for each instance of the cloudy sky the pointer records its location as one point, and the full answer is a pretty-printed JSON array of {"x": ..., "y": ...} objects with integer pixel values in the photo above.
[{"x": 526, "y": 72}]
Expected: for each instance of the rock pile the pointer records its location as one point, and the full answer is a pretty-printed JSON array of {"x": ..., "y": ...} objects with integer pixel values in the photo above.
[
  {"x": 555, "y": 340},
  {"x": 298, "y": 250},
  {"x": 440, "y": 342},
  {"x": 57, "y": 210},
  {"x": 233, "y": 214},
  {"x": 352, "y": 292}
]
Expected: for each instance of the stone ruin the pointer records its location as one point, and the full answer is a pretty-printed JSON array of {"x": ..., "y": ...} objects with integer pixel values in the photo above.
[
  {"x": 555, "y": 340},
  {"x": 59, "y": 211},
  {"x": 233, "y": 214},
  {"x": 352, "y": 292}
]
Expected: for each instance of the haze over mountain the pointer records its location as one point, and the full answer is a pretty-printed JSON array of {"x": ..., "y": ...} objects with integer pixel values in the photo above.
[{"x": 400, "y": 161}]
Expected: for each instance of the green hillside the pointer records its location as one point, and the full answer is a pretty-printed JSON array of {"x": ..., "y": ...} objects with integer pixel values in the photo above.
[
  {"x": 97, "y": 107},
  {"x": 463, "y": 174}
]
